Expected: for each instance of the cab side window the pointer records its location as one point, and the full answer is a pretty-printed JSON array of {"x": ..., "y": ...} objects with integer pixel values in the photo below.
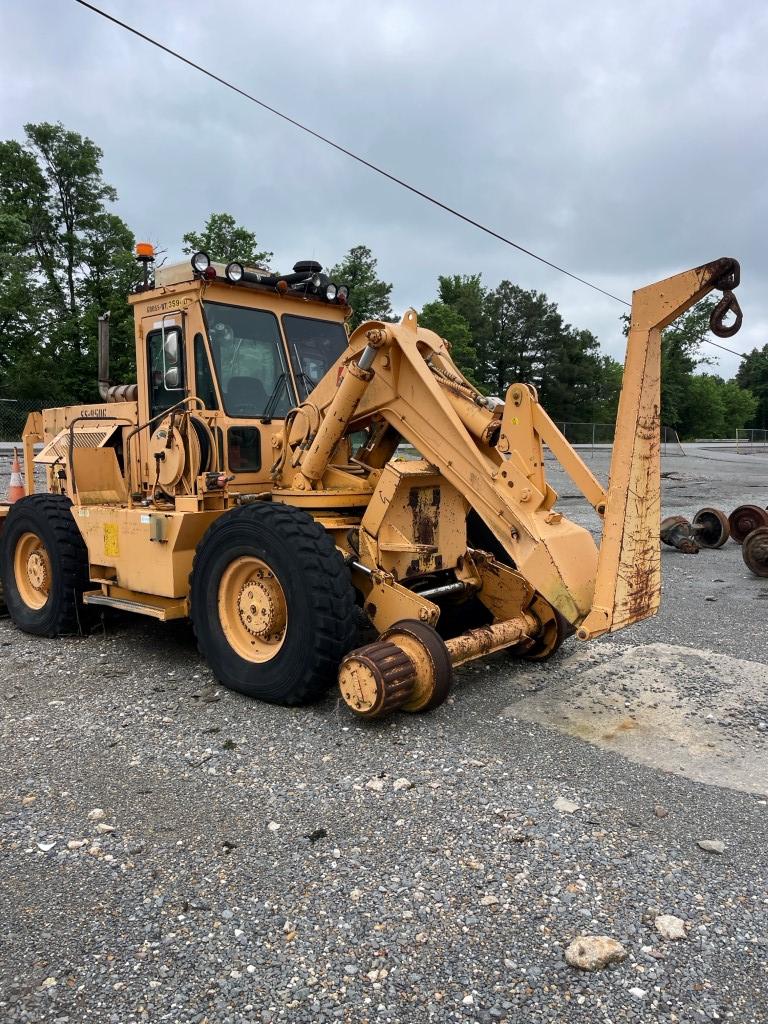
[
  {"x": 203, "y": 376},
  {"x": 165, "y": 359}
]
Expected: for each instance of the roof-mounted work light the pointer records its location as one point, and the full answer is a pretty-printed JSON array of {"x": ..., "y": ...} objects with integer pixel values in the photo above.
[{"x": 201, "y": 261}]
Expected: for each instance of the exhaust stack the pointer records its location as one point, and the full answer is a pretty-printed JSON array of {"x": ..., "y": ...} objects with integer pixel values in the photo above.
[{"x": 115, "y": 392}]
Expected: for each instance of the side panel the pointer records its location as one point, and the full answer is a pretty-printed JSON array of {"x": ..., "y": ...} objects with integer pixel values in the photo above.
[
  {"x": 142, "y": 550},
  {"x": 418, "y": 520},
  {"x": 57, "y": 419}
]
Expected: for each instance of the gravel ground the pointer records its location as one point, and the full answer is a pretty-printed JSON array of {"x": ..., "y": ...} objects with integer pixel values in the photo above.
[{"x": 269, "y": 864}]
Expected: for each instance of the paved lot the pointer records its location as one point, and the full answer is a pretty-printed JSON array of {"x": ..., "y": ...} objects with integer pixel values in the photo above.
[{"x": 266, "y": 864}]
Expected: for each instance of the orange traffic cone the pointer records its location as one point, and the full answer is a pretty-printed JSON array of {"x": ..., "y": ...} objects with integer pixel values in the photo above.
[{"x": 16, "y": 486}]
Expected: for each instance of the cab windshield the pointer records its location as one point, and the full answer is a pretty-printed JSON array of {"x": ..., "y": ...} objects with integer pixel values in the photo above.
[
  {"x": 250, "y": 364},
  {"x": 315, "y": 346}
]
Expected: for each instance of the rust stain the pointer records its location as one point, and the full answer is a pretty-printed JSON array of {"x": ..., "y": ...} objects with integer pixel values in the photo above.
[
  {"x": 639, "y": 566},
  {"x": 625, "y": 725},
  {"x": 475, "y": 642},
  {"x": 425, "y": 510}
]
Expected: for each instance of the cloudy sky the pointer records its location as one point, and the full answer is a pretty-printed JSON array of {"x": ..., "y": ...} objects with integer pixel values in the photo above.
[{"x": 623, "y": 141}]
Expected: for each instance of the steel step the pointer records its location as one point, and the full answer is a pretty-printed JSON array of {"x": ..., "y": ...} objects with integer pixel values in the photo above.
[{"x": 126, "y": 605}]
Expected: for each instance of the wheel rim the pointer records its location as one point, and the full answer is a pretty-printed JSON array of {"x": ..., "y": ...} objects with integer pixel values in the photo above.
[
  {"x": 746, "y": 518},
  {"x": 252, "y": 609},
  {"x": 32, "y": 570},
  {"x": 755, "y": 551},
  {"x": 427, "y": 650},
  {"x": 555, "y": 629},
  {"x": 711, "y": 527}
]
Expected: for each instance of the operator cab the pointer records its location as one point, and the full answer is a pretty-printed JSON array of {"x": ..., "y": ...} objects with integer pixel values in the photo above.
[
  {"x": 263, "y": 360},
  {"x": 249, "y": 344}
]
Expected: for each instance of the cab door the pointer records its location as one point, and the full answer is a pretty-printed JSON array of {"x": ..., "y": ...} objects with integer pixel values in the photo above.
[
  {"x": 166, "y": 365},
  {"x": 161, "y": 368}
]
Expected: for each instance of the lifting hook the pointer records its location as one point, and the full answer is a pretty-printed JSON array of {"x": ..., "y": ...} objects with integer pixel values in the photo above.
[{"x": 728, "y": 280}]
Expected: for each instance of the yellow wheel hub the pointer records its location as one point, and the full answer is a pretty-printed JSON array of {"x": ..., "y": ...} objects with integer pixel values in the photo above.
[
  {"x": 252, "y": 609},
  {"x": 32, "y": 570}
]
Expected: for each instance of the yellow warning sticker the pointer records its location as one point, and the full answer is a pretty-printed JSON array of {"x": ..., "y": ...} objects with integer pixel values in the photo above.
[{"x": 111, "y": 545}]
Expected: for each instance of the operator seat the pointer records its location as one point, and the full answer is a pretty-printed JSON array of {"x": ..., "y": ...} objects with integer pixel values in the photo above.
[{"x": 246, "y": 396}]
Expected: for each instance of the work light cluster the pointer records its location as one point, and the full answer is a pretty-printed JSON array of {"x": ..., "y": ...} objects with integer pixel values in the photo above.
[{"x": 307, "y": 278}]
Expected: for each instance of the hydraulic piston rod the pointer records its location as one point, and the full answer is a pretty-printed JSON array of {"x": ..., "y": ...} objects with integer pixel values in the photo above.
[{"x": 356, "y": 379}]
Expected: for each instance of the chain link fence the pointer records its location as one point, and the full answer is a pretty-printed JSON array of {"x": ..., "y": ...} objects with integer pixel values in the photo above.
[
  {"x": 13, "y": 416},
  {"x": 594, "y": 436},
  {"x": 750, "y": 440}
]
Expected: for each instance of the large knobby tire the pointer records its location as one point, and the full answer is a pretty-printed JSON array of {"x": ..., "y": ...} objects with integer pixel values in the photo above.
[
  {"x": 43, "y": 565},
  {"x": 272, "y": 603}
]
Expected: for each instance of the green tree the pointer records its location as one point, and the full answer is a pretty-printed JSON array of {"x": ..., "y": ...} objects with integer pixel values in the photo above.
[
  {"x": 700, "y": 404},
  {"x": 607, "y": 388},
  {"x": 714, "y": 407},
  {"x": 571, "y": 377},
  {"x": 226, "y": 241},
  {"x": 525, "y": 332},
  {"x": 506, "y": 351},
  {"x": 19, "y": 310},
  {"x": 451, "y": 325},
  {"x": 740, "y": 406},
  {"x": 753, "y": 374},
  {"x": 369, "y": 296},
  {"x": 465, "y": 294},
  {"x": 702, "y": 410},
  {"x": 681, "y": 354},
  {"x": 66, "y": 258},
  {"x": 527, "y": 340}
]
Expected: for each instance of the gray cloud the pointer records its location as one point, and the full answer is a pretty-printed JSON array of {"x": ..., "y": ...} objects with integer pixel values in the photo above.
[{"x": 624, "y": 142}]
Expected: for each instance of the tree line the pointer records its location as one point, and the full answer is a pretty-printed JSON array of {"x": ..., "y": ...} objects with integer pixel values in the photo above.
[{"x": 66, "y": 257}]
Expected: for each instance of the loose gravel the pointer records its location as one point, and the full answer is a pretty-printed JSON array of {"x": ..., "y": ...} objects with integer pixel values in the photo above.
[{"x": 258, "y": 863}]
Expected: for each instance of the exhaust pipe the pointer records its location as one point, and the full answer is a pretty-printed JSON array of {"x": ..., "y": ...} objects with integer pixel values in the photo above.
[
  {"x": 104, "y": 356},
  {"x": 116, "y": 392}
]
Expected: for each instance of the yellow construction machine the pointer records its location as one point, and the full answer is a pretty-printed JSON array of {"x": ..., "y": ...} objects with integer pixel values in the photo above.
[{"x": 254, "y": 481}]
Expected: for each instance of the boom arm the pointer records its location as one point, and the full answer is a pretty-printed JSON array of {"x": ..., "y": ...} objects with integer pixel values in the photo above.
[
  {"x": 404, "y": 375},
  {"x": 507, "y": 489},
  {"x": 628, "y": 584}
]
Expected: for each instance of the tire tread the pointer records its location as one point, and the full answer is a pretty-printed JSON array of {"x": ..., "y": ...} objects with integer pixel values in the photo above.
[
  {"x": 326, "y": 579},
  {"x": 54, "y": 509}
]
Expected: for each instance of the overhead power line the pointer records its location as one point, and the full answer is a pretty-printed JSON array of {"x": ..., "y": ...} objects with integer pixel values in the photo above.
[
  {"x": 345, "y": 151},
  {"x": 359, "y": 159},
  {"x": 741, "y": 355}
]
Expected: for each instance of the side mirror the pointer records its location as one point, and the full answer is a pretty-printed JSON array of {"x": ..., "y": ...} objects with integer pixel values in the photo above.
[
  {"x": 172, "y": 360},
  {"x": 171, "y": 348}
]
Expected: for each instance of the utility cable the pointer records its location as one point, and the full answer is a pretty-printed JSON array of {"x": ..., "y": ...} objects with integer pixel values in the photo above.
[
  {"x": 346, "y": 152},
  {"x": 741, "y": 355},
  {"x": 361, "y": 160}
]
